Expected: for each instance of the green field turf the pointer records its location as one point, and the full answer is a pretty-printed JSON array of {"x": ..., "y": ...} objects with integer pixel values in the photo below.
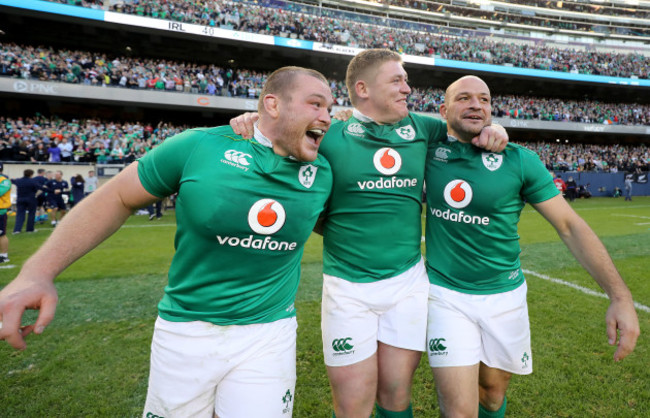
[{"x": 93, "y": 359}]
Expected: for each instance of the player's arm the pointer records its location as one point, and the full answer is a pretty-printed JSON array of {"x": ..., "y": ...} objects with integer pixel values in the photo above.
[
  {"x": 592, "y": 254},
  {"x": 93, "y": 220},
  {"x": 492, "y": 138}
]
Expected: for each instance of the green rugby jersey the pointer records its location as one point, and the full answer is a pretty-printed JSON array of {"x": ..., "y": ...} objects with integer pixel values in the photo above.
[
  {"x": 474, "y": 200},
  {"x": 243, "y": 216},
  {"x": 373, "y": 227}
]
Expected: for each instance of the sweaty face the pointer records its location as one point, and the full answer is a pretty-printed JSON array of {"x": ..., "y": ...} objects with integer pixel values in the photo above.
[
  {"x": 305, "y": 118},
  {"x": 388, "y": 92},
  {"x": 467, "y": 108}
]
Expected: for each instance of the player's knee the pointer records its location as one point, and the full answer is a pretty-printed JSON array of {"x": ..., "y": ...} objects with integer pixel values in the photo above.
[
  {"x": 491, "y": 397},
  {"x": 458, "y": 409},
  {"x": 394, "y": 396}
]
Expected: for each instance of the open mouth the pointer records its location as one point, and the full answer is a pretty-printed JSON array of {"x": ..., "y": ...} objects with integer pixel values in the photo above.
[{"x": 316, "y": 134}]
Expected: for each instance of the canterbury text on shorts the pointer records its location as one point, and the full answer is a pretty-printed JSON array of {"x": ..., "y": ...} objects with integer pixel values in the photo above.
[
  {"x": 465, "y": 329},
  {"x": 357, "y": 315},
  {"x": 236, "y": 371}
]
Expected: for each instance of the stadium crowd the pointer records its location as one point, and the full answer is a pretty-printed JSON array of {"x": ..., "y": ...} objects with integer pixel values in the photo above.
[
  {"x": 332, "y": 26},
  {"x": 43, "y": 139},
  {"x": 96, "y": 69},
  {"x": 533, "y": 19},
  {"x": 589, "y": 157}
]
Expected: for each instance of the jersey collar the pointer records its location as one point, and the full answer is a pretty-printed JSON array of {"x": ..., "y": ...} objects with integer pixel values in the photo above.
[
  {"x": 260, "y": 138},
  {"x": 361, "y": 117}
]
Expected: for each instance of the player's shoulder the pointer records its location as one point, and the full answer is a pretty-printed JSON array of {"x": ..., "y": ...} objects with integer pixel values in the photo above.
[
  {"x": 521, "y": 150},
  {"x": 209, "y": 136},
  {"x": 322, "y": 162},
  {"x": 428, "y": 120}
]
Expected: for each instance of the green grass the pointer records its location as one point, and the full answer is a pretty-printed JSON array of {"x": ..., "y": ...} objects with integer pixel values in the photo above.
[{"x": 93, "y": 359}]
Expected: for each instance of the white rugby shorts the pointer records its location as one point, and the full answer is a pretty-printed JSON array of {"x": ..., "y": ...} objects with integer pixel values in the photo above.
[
  {"x": 236, "y": 371},
  {"x": 466, "y": 329},
  {"x": 354, "y": 316}
]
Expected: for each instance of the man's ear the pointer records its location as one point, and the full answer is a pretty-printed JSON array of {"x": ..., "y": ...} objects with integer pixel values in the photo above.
[
  {"x": 361, "y": 89},
  {"x": 443, "y": 111},
  {"x": 271, "y": 104}
]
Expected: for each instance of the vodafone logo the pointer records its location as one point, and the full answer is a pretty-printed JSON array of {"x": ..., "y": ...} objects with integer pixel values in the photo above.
[
  {"x": 266, "y": 216},
  {"x": 458, "y": 194},
  {"x": 387, "y": 161}
]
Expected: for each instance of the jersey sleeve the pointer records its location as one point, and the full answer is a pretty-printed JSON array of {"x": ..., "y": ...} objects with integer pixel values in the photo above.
[
  {"x": 161, "y": 169},
  {"x": 538, "y": 183},
  {"x": 436, "y": 128}
]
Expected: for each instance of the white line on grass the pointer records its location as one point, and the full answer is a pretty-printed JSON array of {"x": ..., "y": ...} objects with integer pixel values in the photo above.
[
  {"x": 530, "y": 209},
  {"x": 580, "y": 288},
  {"x": 8, "y": 266},
  {"x": 631, "y": 216},
  {"x": 147, "y": 226}
]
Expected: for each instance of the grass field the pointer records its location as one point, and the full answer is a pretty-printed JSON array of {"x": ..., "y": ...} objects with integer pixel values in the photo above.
[{"x": 93, "y": 359}]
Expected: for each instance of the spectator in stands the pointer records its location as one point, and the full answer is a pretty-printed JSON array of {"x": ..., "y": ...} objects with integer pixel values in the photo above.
[
  {"x": 40, "y": 153},
  {"x": 66, "y": 149},
  {"x": 101, "y": 154},
  {"x": 55, "y": 152}
]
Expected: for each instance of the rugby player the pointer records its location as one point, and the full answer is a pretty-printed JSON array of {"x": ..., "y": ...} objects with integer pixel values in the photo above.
[
  {"x": 478, "y": 328},
  {"x": 374, "y": 306},
  {"x": 225, "y": 339}
]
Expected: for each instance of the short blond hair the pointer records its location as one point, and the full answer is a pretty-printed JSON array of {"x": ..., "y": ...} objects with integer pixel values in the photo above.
[
  {"x": 361, "y": 66},
  {"x": 282, "y": 81}
]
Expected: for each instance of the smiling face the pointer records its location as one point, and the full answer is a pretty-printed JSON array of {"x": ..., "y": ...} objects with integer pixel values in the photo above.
[
  {"x": 387, "y": 92},
  {"x": 297, "y": 118},
  {"x": 467, "y": 108}
]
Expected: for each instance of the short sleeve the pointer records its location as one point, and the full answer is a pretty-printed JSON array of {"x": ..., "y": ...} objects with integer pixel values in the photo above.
[
  {"x": 538, "y": 183},
  {"x": 161, "y": 169}
]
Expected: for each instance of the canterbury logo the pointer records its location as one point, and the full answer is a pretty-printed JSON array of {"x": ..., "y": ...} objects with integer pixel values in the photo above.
[
  {"x": 342, "y": 344},
  {"x": 237, "y": 157},
  {"x": 435, "y": 344}
]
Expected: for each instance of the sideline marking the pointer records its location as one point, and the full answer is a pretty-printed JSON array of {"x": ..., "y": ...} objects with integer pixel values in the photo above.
[
  {"x": 631, "y": 216},
  {"x": 146, "y": 226},
  {"x": 8, "y": 266},
  {"x": 580, "y": 288},
  {"x": 529, "y": 208}
]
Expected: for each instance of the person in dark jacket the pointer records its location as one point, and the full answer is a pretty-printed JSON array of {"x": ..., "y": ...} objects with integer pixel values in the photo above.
[
  {"x": 76, "y": 189},
  {"x": 26, "y": 188}
]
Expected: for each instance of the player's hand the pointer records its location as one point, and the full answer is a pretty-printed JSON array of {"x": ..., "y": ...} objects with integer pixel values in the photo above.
[
  {"x": 622, "y": 322},
  {"x": 57, "y": 191},
  {"x": 492, "y": 138},
  {"x": 343, "y": 115},
  {"x": 244, "y": 124},
  {"x": 18, "y": 296}
]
